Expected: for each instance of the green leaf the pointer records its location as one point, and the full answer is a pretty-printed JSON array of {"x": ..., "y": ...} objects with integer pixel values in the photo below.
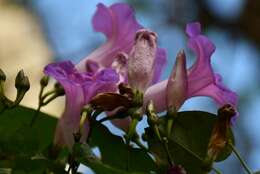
[
  {"x": 5, "y": 171},
  {"x": 192, "y": 131},
  {"x": 258, "y": 172},
  {"x": 85, "y": 156},
  {"x": 116, "y": 153},
  {"x": 19, "y": 138},
  {"x": 22, "y": 146},
  {"x": 30, "y": 166}
]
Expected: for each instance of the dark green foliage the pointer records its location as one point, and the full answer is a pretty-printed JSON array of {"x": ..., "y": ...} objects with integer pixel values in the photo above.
[{"x": 191, "y": 131}]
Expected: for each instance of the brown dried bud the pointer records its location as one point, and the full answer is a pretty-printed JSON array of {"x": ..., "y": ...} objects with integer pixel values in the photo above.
[
  {"x": 126, "y": 90},
  {"x": 110, "y": 101},
  {"x": 219, "y": 136}
]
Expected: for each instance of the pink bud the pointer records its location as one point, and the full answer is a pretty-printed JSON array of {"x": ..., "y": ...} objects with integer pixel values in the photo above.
[
  {"x": 177, "y": 86},
  {"x": 141, "y": 59}
]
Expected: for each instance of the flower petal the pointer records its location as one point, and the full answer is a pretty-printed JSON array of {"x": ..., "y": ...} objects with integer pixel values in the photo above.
[
  {"x": 79, "y": 89},
  {"x": 156, "y": 93},
  {"x": 201, "y": 73},
  {"x": 193, "y": 29},
  {"x": 66, "y": 74},
  {"x": 104, "y": 81},
  {"x": 219, "y": 93},
  {"x": 119, "y": 25},
  {"x": 201, "y": 78},
  {"x": 69, "y": 121},
  {"x": 159, "y": 64}
]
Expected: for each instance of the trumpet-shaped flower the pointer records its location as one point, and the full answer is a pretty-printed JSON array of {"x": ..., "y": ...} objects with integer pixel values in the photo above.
[
  {"x": 94, "y": 74},
  {"x": 119, "y": 25},
  {"x": 79, "y": 89},
  {"x": 198, "y": 80}
]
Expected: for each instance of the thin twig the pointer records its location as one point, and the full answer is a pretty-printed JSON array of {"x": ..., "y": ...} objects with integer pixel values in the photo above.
[{"x": 248, "y": 170}]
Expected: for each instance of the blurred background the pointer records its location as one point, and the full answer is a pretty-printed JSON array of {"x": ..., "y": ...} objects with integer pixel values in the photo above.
[{"x": 34, "y": 33}]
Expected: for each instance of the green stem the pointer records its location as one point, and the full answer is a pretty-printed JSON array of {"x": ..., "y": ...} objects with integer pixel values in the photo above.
[
  {"x": 171, "y": 115},
  {"x": 164, "y": 142},
  {"x": 48, "y": 93},
  {"x": 169, "y": 126},
  {"x": 216, "y": 170},
  {"x": 248, "y": 170},
  {"x": 131, "y": 130},
  {"x": 39, "y": 107},
  {"x": 128, "y": 138},
  {"x": 50, "y": 99},
  {"x": 166, "y": 148}
]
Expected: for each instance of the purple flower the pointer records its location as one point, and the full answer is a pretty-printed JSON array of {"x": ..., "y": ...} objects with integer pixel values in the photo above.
[
  {"x": 199, "y": 80},
  {"x": 94, "y": 74},
  {"x": 119, "y": 25},
  {"x": 79, "y": 89}
]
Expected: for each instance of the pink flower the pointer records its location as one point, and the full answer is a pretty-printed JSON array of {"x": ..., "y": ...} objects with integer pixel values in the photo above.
[
  {"x": 177, "y": 85},
  {"x": 198, "y": 80},
  {"x": 79, "y": 89},
  {"x": 94, "y": 74},
  {"x": 119, "y": 25}
]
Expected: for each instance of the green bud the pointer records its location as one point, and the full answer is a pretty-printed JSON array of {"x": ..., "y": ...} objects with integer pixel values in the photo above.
[
  {"x": 2, "y": 75},
  {"x": 153, "y": 119},
  {"x": 22, "y": 81},
  {"x": 44, "y": 81},
  {"x": 59, "y": 89}
]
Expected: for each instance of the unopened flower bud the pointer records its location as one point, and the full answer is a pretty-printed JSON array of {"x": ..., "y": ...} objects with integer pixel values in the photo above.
[
  {"x": 141, "y": 59},
  {"x": 44, "y": 81},
  {"x": 22, "y": 81},
  {"x": 176, "y": 169},
  {"x": 151, "y": 114},
  {"x": 59, "y": 89},
  {"x": 177, "y": 85},
  {"x": 2, "y": 75}
]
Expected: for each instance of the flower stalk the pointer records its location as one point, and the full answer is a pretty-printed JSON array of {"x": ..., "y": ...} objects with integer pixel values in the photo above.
[{"x": 243, "y": 163}]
